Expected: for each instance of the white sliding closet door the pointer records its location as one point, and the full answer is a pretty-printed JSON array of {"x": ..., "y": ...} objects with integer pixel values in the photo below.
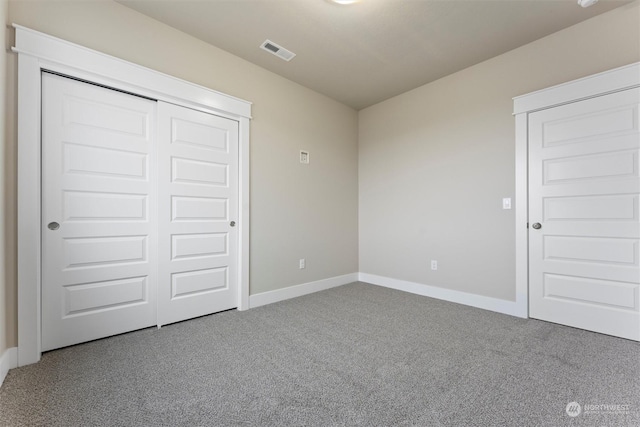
[
  {"x": 198, "y": 205},
  {"x": 140, "y": 200},
  {"x": 99, "y": 243}
]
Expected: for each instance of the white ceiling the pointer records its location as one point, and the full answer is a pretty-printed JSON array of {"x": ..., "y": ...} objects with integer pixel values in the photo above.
[{"x": 367, "y": 52}]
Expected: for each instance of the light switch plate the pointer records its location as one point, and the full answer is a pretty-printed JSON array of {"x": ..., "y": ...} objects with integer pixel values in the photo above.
[
  {"x": 506, "y": 203},
  {"x": 304, "y": 157}
]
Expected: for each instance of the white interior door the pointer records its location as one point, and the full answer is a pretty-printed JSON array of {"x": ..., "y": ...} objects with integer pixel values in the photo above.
[
  {"x": 198, "y": 240},
  {"x": 584, "y": 191},
  {"x": 98, "y": 212}
]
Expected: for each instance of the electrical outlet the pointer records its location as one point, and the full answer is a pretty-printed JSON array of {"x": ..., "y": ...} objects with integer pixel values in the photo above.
[
  {"x": 434, "y": 264},
  {"x": 303, "y": 263}
]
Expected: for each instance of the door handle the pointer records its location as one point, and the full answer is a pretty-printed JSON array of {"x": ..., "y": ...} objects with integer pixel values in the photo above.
[
  {"x": 232, "y": 223},
  {"x": 53, "y": 226},
  {"x": 537, "y": 226}
]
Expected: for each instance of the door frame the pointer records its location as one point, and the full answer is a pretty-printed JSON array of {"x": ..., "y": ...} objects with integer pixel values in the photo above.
[
  {"x": 37, "y": 52},
  {"x": 615, "y": 80}
]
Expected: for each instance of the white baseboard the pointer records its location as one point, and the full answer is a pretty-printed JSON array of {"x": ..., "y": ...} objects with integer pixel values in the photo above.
[
  {"x": 512, "y": 308},
  {"x": 9, "y": 360},
  {"x": 270, "y": 297}
]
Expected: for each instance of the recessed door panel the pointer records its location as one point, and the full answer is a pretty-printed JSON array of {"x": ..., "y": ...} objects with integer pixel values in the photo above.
[
  {"x": 199, "y": 208},
  {"x": 591, "y": 249},
  {"x": 95, "y": 206},
  {"x": 591, "y": 167},
  {"x": 96, "y": 161},
  {"x": 583, "y": 290},
  {"x": 618, "y": 207},
  {"x": 610, "y": 121},
  {"x": 85, "y": 299},
  {"x": 105, "y": 116},
  {"x": 99, "y": 251},
  {"x": 210, "y": 136},
  {"x": 200, "y": 282},
  {"x": 185, "y": 246},
  {"x": 199, "y": 172}
]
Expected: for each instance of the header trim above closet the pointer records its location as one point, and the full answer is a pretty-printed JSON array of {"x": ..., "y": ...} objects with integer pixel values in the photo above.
[{"x": 137, "y": 79}]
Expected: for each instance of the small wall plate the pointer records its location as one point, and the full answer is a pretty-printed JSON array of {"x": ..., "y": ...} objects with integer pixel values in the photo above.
[{"x": 304, "y": 157}]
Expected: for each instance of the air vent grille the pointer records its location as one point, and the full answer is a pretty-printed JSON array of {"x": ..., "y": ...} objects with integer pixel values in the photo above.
[
  {"x": 277, "y": 50},
  {"x": 271, "y": 47}
]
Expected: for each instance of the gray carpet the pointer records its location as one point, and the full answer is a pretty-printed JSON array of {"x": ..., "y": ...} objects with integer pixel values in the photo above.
[{"x": 358, "y": 355}]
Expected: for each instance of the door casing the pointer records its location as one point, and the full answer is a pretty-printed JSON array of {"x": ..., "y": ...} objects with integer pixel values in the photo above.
[
  {"x": 38, "y": 52},
  {"x": 616, "y": 80}
]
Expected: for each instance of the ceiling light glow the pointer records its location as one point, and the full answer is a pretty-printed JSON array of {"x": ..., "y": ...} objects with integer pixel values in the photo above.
[
  {"x": 345, "y": 1},
  {"x": 587, "y": 3}
]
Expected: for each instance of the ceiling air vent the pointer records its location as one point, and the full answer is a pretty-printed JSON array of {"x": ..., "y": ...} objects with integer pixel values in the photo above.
[{"x": 277, "y": 50}]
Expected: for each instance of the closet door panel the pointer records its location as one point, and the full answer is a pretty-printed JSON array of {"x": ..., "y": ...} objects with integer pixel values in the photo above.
[
  {"x": 198, "y": 184},
  {"x": 98, "y": 212}
]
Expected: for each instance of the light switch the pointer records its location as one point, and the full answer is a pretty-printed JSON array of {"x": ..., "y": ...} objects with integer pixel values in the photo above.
[{"x": 506, "y": 203}]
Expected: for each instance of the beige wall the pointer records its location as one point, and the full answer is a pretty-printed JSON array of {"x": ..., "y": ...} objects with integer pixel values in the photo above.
[
  {"x": 296, "y": 211},
  {"x": 6, "y": 328},
  {"x": 435, "y": 162}
]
